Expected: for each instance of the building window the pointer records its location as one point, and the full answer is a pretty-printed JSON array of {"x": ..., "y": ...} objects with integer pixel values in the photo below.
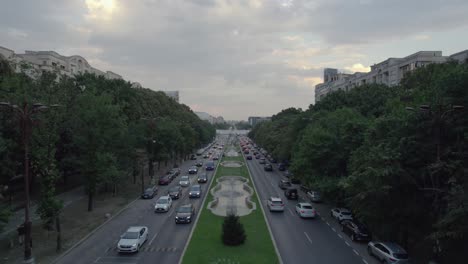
[{"x": 44, "y": 62}]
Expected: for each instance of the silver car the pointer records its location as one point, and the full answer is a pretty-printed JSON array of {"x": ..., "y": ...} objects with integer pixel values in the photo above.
[
  {"x": 314, "y": 196},
  {"x": 184, "y": 181},
  {"x": 275, "y": 204},
  {"x": 388, "y": 252}
]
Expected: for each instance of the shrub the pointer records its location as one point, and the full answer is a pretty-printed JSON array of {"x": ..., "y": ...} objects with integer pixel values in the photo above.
[{"x": 233, "y": 231}]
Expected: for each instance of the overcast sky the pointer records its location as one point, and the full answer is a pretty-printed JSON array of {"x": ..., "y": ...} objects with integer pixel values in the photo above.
[{"x": 234, "y": 58}]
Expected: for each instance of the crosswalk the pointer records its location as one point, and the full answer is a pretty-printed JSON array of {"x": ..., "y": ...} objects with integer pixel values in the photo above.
[{"x": 149, "y": 249}]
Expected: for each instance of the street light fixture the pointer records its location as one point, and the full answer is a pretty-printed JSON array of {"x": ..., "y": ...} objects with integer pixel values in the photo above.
[{"x": 24, "y": 114}]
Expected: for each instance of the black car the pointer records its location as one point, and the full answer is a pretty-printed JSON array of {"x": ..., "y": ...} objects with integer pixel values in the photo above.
[
  {"x": 150, "y": 192},
  {"x": 202, "y": 178},
  {"x": 209, "y": 166},
  {"x": 199, "y": 163},
  {"x": 164, "y": 180},
  {"x": 356, "y": 230},
  {"x": 281, "y": 167},
  {"x": 291, "y": 194},
  {"x": 175, "y": 192},
  {"x": 249, "y": 157},
  {"x": 268, "y": 167},
  {"x": 193, "y": 157},
  {"x": 185, "y": 214}
]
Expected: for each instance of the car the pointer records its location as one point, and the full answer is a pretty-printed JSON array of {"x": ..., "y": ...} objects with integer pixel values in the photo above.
[
  {"x": 262, "y": 160},
  {"x": 175, "y": 192},
  {"x": 272, "y": 160},
  {"x": 215, "y": 157},
  {"x": 305, "y": 210},
  {"x": 388, "y": 252},
  {"x": 258, "y": 156},
  {"x": 163, "y": 204},
  {"x": 206, "y": 156},
  {"x": 281, "y": 166},
  {"x": 175, "y": 171},
  {"x": 246, "y": 152},
  {"x": 291, "y": 194},
  {"x": 193, "y": 170},
  {"x": 341, "y": 214},
  {"x": 184, "y": 181},
  {"x": 150, "y": 192},
  {"x": 132, "y": 239},
  {"x": 195, "y": 191},
  {"x": 314, "y": 196},
  {"x": 185, "y": 214},
  {"x": 356, "y": 230},
  {"x": 164, "y": 180},
  {"x": 275, "y": 204},
  {"x": 268, "y": 167},
  {"x": 209, "y": 166},
  {"x": 199, "y": 163},
  {"x": 202, "y": 178},
  {"x": 248, "y": 157},
  {"x": 193, "y": 157},
  {"x": 284, "y": 184}
]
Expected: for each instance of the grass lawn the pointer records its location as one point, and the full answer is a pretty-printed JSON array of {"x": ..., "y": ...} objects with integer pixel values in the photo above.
[{"x": 206, "y": 245}]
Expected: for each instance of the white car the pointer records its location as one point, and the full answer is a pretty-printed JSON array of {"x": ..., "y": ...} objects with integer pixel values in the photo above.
[
  {"x": 341, "y": 214},
  {"x": 133, "y": 239},
  {"x": 305, "y": 210},
  {"x": 184, "y": 181},
  {"x": 163, "y": 204},
  {"x": 275, "y": 204}
]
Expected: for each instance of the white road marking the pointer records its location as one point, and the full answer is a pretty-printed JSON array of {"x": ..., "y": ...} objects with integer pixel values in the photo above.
[
  {"x": 291, "y": 212},
  {"x": 347, "y": 243},
  {"x": 363, "y": 260},
  {"x": 340, "y": 236},
  {"x": 327, "y": 223},
  {"x": 272, "y": 184},
  {"x": 97, "y": 259},
  {"x": 355, "y": 252},
  {"x": 308, "y": 238},
  {"x": 333, "y": 229},
  {"x": 152, "y": 239},
  {"x": 318, "y": 214}
]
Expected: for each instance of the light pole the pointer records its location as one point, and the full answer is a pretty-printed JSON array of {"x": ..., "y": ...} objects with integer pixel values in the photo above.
[
  {"x": 152, "y": 125},
  {"x": 24, "y": 114}
]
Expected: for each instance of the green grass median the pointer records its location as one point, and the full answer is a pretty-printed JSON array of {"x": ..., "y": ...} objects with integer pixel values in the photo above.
[{"x": 206, "y": 245}]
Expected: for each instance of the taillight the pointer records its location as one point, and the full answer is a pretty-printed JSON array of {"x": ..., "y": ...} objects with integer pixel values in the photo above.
[
  {"x": 392, "y": 259},
  {"x": 302, "y": 211}
]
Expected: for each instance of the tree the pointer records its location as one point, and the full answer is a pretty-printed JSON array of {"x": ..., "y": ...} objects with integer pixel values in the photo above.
[{"x": 233, "y": 231}]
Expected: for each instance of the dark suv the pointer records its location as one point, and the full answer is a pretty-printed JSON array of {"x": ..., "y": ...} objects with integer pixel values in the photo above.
[
  {"x": 175, "y": 192},
  {"x": 268, "y": 167},
  {"x": 291, "y": 194},
  {"x": 357, "y": 231},
  {"x": 185, "y": 214}
]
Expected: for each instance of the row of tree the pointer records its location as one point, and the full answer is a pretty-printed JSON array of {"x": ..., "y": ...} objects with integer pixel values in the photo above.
[
  {"x": 397, "y": 156},
  {"x": 91, "y": 131}
]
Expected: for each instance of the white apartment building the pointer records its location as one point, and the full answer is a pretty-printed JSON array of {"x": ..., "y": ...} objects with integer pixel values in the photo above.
[
  {"x": 33, "y": 63},
  {"x": 388, "y": 72}
]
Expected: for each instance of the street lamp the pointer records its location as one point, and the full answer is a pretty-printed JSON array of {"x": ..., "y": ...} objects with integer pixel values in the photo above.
[
  {"x": 152, "y": 124},
  {"x": 25, "y": 114}
]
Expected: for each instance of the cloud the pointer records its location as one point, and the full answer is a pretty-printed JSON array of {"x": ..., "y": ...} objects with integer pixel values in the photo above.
[{"x": 358, "y": 67}]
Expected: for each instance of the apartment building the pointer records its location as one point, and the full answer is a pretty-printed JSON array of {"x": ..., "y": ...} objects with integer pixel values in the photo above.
[{"x": 388, "y": 72}]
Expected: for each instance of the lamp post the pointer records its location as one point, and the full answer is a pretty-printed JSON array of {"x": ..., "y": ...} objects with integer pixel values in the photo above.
[
  {"x": 25, "y": 114},
  {"x": 152, "y": 124}
]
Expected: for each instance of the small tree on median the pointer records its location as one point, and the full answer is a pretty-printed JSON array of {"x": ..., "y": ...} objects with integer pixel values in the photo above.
[{"x": 233, "y": 231}]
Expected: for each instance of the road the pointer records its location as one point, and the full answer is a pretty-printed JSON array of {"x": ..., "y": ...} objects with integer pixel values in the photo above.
[
  {"x": 166, "y": 240},
  {"x": 299, "y": 240}
]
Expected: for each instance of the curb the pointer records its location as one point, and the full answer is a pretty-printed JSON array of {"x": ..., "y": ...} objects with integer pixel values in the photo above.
[
  {"x": 56, "y": 260},
  {"x": 199, "y": 214},
  {"x": 264, "y": 215}
]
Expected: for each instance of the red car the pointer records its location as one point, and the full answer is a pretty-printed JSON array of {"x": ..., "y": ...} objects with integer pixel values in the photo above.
[{"x": 164, "y": 180}]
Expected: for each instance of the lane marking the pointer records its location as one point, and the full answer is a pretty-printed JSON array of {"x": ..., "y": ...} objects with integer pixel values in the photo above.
[
  {"x": 308, "y": 238},
  {"x": 347, "y": 243},
  {"x": 327, "y": 223},
  {"x": 333, "y": 229},
  {"x": 340, "y": 236},
  {"x": 363, "y": 260},
  {"x": 291, "y": 212},
  {"x": 355, "y": 252},
  {"x": 97, "y": 259},
  {"x": 152, "y": 239}
]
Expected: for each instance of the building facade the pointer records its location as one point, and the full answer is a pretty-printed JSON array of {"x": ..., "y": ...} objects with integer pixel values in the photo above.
[
  {"x": 34, "y": 63},
  {"x": 254, "y": 120},
  {"x": 388, "y": 72}
]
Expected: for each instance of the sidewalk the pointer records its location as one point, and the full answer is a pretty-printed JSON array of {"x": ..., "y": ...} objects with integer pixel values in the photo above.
[{"x": 17, "y": 217}]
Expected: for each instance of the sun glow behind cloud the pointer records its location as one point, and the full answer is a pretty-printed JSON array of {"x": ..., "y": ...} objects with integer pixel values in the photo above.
[{"x": 101, "y": 9}]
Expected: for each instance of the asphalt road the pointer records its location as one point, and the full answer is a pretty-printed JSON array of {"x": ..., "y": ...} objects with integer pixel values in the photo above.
[
  {"x": 166, "y": 240},
  {"x": 299, "y": 240}
]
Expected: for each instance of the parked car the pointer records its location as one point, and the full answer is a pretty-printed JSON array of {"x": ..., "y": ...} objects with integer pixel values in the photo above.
[
  {"x": 199, "y": 163},
  {"x": 341, "y": 214},
  {"x": 388, "y": 252},
  {"x": 185, "y": 214},
  {"x": 150, "y": 192},
  {"x": 248, "y": 157},
  {"x": 164, "y": 180},
  {"x": 305, "y": 210},
  {"x": 356, "y": 230},
  {"x": 193, "y": 157},
  {"x": 268, "y": 167},
  {"x": 272, "y": 160},
  {"x": 132, "y": 239},
  {"x": 291, "y": 194},
  {"x": 284, "y": 184},
  {"x": 281, "y": 166},
  {"x": 209, "y": 166},
  {"x": 262, "y": 160},
  {"x": 175, "y": 192},
  {"x": 193, "y": 170},
  {"x": 195, "y": 191},
  {"x": 314, "y": 196},
  {"x": 184, "y": 181},
  {"x": 275, "y": 204},
  {"x": 202, "y": 178},
  {"x": 163, "y": 204},
  {"x": 175, "y": 171}
]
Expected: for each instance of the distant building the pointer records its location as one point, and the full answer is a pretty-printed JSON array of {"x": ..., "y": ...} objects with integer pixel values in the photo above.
[
  {"x": 210, "y": 118},
  {"x": 173, "y": 94},
  {"x": 388, "y": 72},
  {"x": 34, "y": 63},
  {"x": 253, "y": 120}
]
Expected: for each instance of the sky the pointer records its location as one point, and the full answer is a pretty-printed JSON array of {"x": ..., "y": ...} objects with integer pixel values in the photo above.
[{"x": 234, "y": 58}]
